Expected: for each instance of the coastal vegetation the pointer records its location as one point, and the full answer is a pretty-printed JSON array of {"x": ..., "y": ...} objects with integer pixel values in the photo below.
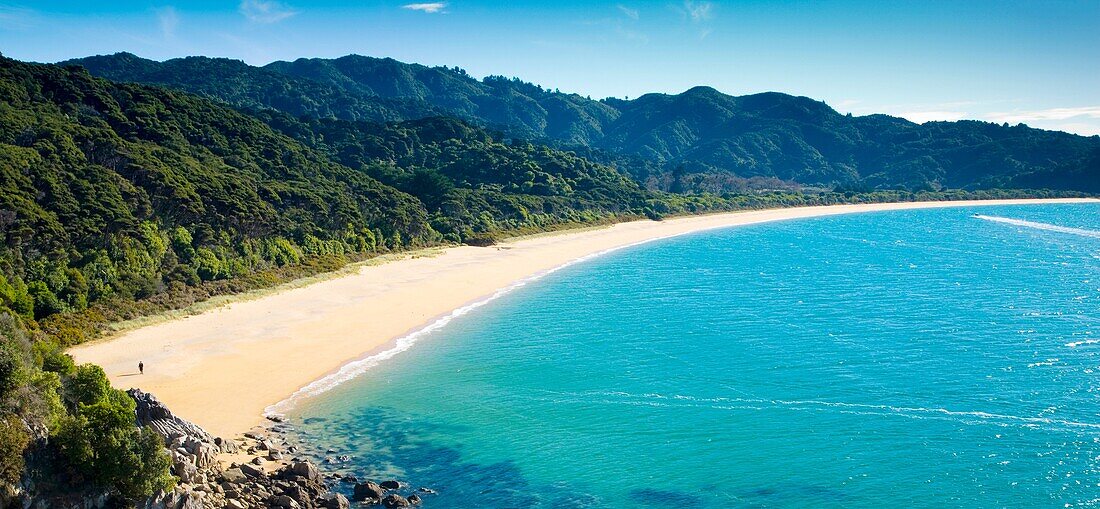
[{"x": 120, "y": 200}]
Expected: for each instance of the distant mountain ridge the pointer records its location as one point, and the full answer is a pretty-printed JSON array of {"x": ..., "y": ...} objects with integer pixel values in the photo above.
[{"x": 685, "y": 138}]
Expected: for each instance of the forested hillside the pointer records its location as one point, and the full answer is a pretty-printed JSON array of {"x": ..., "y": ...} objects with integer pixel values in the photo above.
[
  {"x": 806, "y": 141},
  {"x": 469, "y": 180},
  {"x": 700, "y": 140},
  {"x": 108, "y": 187},
  {"x": 121, "y": 189}
]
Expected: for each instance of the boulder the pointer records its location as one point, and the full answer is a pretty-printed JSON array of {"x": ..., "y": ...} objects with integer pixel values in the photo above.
[
  {"x": 336, "y": 501},
  {"x": 283, "y": 501},
  {"x": 414, "y": 499},
  {"x": 227, "y": 446},
  {"x": 302, "y": 469},
  {"x": 206, "y": 454},
  {"x": 367, "y": 491},
  {"x": 391, "y": 485},
  {"x": 185, "y": 470},
  {"x": 252, "y": 471},
  {"x": 178, "y": 498},
  {"x": 233, "y": 476},
  {"x": 394, "y": 500}
]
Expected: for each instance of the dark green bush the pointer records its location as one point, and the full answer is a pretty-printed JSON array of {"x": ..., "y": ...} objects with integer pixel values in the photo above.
[{"x": 100, "y": 443}]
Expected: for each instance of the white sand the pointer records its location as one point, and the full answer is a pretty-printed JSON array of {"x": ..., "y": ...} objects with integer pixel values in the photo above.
[{"x": 222, "y": 368}]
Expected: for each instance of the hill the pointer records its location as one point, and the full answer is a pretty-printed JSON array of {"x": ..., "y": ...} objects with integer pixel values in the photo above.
[
  {"x": 693, "y": 141},
  {"x": 108, "y": 179},
  {"x": 122, "y": 189}
]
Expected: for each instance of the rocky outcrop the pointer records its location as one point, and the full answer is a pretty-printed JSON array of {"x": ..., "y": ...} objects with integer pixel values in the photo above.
[
  {"x": 205, "y": 483},
  {"x": 249, "y": 472},
  {"x": 151, "y": 412}
]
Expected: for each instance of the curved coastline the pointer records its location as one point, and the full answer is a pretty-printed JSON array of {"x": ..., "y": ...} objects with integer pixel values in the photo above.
[
  {"x": 359, "y": 366},
  {"x": 228, "y": 367}
]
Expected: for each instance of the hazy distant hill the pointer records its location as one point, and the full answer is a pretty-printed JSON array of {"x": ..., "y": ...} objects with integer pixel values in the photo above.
[{"x": 684, "y": 138}]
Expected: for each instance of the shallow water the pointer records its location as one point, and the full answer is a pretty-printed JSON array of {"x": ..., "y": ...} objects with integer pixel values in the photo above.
[{"x": 912, "y": 358}]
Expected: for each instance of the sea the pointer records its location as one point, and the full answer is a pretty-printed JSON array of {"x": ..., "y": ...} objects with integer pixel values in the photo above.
[{"x": 920, "y": 358}]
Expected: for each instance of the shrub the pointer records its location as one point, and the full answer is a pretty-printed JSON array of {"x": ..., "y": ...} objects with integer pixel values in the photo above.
[
  {"x": 13, "y": 441},
  {"x": 53, "y": 358},
  {"x": 89, "y": 386},
  {"x": 101, "y": 444},
  {"x": 45, "y": 302}
]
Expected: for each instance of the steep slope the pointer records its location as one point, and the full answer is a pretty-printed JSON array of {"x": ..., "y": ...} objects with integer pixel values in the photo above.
[{"x": 109, "y": 188}]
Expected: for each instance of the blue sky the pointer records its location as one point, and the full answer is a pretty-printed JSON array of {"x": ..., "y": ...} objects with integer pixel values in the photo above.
[{"x": 1036, "y": 62}]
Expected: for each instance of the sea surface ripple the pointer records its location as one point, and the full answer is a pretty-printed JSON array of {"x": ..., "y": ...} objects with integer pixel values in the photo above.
[{"x": 920, "y": 358}]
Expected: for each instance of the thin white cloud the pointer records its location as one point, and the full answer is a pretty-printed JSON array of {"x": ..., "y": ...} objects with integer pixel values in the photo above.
[
  {"x": 628, "y": 12},
  {"x": 698, "y": 11},
  {"x": 168, "y": 19},
  {"x": 697, "y": 14},
  {"x": 623, "y": 26},
  {"x": 1016, "y": 117},
  {"x": 16, "y": 18},
  {"x": 1080, "y": 128},
  {"x": 1083, "y": 120},
  {"x": 430, "y": 8},
  {"x": 846, "y": 104},
  {"x": 269, "y": 11}
]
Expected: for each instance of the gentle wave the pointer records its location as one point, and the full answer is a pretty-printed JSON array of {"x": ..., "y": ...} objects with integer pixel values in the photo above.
[
  {"x": 721, "y": 403},
  {"x": 355, "y": 368},
  {"x": 1076, "y": 344},
  {"x": 1042, "y": 226}
]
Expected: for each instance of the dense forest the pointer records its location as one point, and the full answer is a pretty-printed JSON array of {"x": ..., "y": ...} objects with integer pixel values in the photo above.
[
  {"x": 699, "y": 140},
  {"x": 119, "y": 200}
]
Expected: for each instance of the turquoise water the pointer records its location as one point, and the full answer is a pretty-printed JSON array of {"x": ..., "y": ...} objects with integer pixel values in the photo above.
[{"x": 921, "y": 358}]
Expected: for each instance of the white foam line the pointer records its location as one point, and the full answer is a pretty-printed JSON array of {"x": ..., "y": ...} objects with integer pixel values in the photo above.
[
  {"x": 1042, "y": 226},
  {"x": 893, "y": 409},
  {"x": 357, "y": 367}
]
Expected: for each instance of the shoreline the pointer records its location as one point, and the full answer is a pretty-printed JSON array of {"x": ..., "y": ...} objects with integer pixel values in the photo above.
[{"x": 229, "y": 365}]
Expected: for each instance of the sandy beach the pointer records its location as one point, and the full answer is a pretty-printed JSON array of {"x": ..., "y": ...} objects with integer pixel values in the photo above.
[{"x": 223, "y": 368}]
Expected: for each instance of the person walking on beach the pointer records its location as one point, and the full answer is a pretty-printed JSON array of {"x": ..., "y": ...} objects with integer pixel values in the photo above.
[{"x": 141, "y": 367}]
